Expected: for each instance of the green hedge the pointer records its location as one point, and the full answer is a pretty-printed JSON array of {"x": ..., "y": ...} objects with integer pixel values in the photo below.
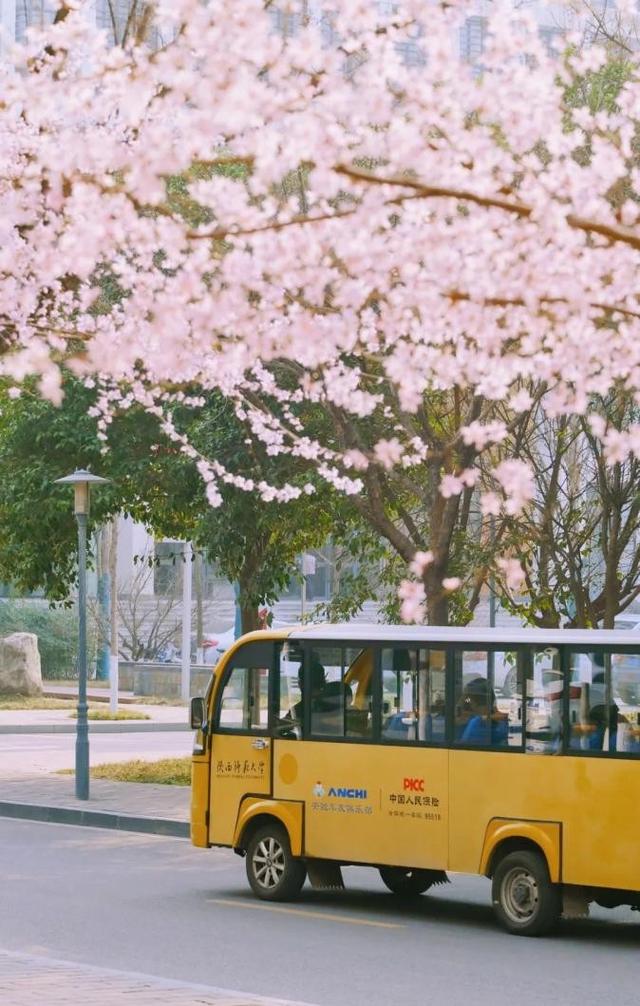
[{"x": 57, "y": 632}]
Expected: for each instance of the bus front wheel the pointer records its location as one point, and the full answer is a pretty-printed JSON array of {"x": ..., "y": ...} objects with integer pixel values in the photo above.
[
  {"x": 273, "y": 872},
  {"x": 524, "y": 899},
  {"x": 406, "y": 883}
]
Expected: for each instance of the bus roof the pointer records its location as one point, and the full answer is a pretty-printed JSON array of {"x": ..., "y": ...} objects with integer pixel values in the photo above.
[{"x": 408, "y": 634}]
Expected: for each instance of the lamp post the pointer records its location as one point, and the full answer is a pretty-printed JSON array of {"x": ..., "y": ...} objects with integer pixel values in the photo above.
[
  {"x": 185, "y": 657},
  {"x": 81, "y": 481}
]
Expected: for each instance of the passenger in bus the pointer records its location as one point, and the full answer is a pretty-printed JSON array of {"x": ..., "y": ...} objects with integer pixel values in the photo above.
[
  {"x": 432, "y": 725},
  {"x": 328, "y": 710},
  {"x": 478, "y": 720},
  {"x": 604, "y": 723},
  {"x": 296, "y": 713}
]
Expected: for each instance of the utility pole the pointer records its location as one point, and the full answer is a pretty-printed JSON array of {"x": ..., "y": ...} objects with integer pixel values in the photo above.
[
  {"x": 113, "y": 624},
  {"x": 104, "y": 601},
  {"x": 185, "y": 677},
  {"x": 82, "y": 480},
  {"x": 198, "y": 576}
]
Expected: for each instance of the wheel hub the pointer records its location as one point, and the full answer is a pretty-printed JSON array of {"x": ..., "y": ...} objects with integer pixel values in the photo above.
[
  {"x": 520, "y": 890},
  {"x": 522, "y": 894},
  {"x": 268, "y": 863}
]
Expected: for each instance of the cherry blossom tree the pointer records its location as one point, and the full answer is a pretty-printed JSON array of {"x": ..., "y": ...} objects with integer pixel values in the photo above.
[{"x": 459, "y": 230}]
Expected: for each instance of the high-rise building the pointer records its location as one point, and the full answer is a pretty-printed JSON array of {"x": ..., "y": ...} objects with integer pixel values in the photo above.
[{"x": 119, "y": 18}]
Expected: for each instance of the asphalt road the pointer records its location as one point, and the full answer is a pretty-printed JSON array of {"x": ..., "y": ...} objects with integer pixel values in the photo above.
[
  {"x": 32, "y": 753},
  {"x": 156, "y": 905}
]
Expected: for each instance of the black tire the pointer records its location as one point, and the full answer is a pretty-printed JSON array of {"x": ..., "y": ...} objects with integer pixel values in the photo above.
[
  {"x": 273, "y": 873},
  {"x": 405, "y": 882},
  {"x": 525, "y": 901}
]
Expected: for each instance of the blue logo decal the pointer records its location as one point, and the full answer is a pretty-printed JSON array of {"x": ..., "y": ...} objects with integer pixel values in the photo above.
[{"x": 349, "y": 794}]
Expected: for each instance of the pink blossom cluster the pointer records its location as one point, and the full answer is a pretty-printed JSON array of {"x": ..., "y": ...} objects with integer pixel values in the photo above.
[
  {"x": 439, "y": 229},
  {"x": 512, "y": 572},
  {"x": 412, "y": 601}
]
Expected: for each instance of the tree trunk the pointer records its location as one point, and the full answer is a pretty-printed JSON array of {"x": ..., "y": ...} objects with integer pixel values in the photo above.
[
  {"x": 438, "y": 611},
  {"x": 248, "y": 615},
  {"x": 612, "y": 598},
  {"x": 437, "y": 600},
  {"x": 612, "y": 559},
  {"x": 249, "y": 619}
]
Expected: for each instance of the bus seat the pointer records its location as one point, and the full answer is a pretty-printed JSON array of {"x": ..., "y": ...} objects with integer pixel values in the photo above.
[
  {"x": 328, "y": 714},
  {"x": 358, "y": 722}
]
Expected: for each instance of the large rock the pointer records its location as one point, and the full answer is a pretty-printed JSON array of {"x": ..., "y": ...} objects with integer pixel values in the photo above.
[{"x": 20, "y": 672}]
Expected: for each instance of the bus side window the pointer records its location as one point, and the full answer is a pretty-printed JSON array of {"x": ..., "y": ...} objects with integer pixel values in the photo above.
[
  {"x": 290, "y": 721},
  {"x": 244, "y": 704},
  {"x": 399, "y": 703},
  {"x": 326, "y": 700},
  {"x": 625, "y": 692},
  {"x": 341, "y": 689},
  {"x": 413, "y": 695},
  {"x": 358, "y": 669},
  {"x": 488, "y": 698},
  {"x": 594, "y": 716},
  {"x": 544, "y": 703}
]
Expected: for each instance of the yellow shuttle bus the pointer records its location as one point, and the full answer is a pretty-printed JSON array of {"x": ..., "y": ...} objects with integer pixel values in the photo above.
[{"x": 514, "y": 754}]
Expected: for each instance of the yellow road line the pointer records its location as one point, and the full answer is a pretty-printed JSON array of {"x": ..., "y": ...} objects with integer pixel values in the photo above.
[{"x": 322, "y": 916}]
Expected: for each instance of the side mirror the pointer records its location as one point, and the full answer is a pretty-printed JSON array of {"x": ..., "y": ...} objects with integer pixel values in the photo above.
[{"x": 198, "y": 713}]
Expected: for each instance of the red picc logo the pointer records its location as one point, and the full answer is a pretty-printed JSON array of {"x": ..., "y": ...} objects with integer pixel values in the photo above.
[{"x": 415, "y": 785}]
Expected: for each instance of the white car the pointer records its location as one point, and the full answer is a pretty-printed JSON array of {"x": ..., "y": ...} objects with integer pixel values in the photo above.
[
  {"x": 217, "y": 643},
  {"x": 214, "y": 645},
  {"x": 627, "y": 621}
]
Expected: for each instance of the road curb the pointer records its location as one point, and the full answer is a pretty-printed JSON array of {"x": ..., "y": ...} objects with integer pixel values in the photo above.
[
  {"x": 125, "y": 700},
  {"x": 122, "y": 727},
  {"x": 94, "y": 819}
]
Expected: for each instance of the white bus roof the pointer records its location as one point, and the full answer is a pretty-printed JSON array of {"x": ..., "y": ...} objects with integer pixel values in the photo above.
[{"x": 360, "y": 632}]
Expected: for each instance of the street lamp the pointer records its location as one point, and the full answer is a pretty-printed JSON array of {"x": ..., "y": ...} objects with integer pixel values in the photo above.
[{"x": 81, "y": 481}]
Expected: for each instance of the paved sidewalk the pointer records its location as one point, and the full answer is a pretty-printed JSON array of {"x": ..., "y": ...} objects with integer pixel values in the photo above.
[
  {"x": 124, "y": 806},
  {"x": 26, "y": 980},
  {"x": 35, "y": 721}
]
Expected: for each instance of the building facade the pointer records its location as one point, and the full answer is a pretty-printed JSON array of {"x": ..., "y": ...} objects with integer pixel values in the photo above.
[{"x": 118, "y": 18}]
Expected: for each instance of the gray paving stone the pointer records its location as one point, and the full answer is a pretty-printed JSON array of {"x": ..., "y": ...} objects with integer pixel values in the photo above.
[
  {"x": 140, "y": 799},
  {"x": 27, "y": 980},
  {"x": 124, "y": 806}
]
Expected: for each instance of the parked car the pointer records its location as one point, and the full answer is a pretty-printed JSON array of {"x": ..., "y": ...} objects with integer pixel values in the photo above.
[
  {"x": 627, "y": 620},
  {"x": 215, "y": 644}
]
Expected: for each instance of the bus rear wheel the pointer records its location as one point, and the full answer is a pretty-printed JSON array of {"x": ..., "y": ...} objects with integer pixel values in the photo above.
[
  {"x": 525, "y": 901},
  {"x": 406, "y": 882},
  {"x": 272, "y": 871}
]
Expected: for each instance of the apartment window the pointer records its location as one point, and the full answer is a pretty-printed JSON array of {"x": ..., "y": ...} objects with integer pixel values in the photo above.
[
  {"x": 286, "y": 23},
  {"x": 167, "y": 571},
  {"x": 473, "y": 36},
  {"x": 410, "y": 53},
  {"x": 33, "y": 14}
]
